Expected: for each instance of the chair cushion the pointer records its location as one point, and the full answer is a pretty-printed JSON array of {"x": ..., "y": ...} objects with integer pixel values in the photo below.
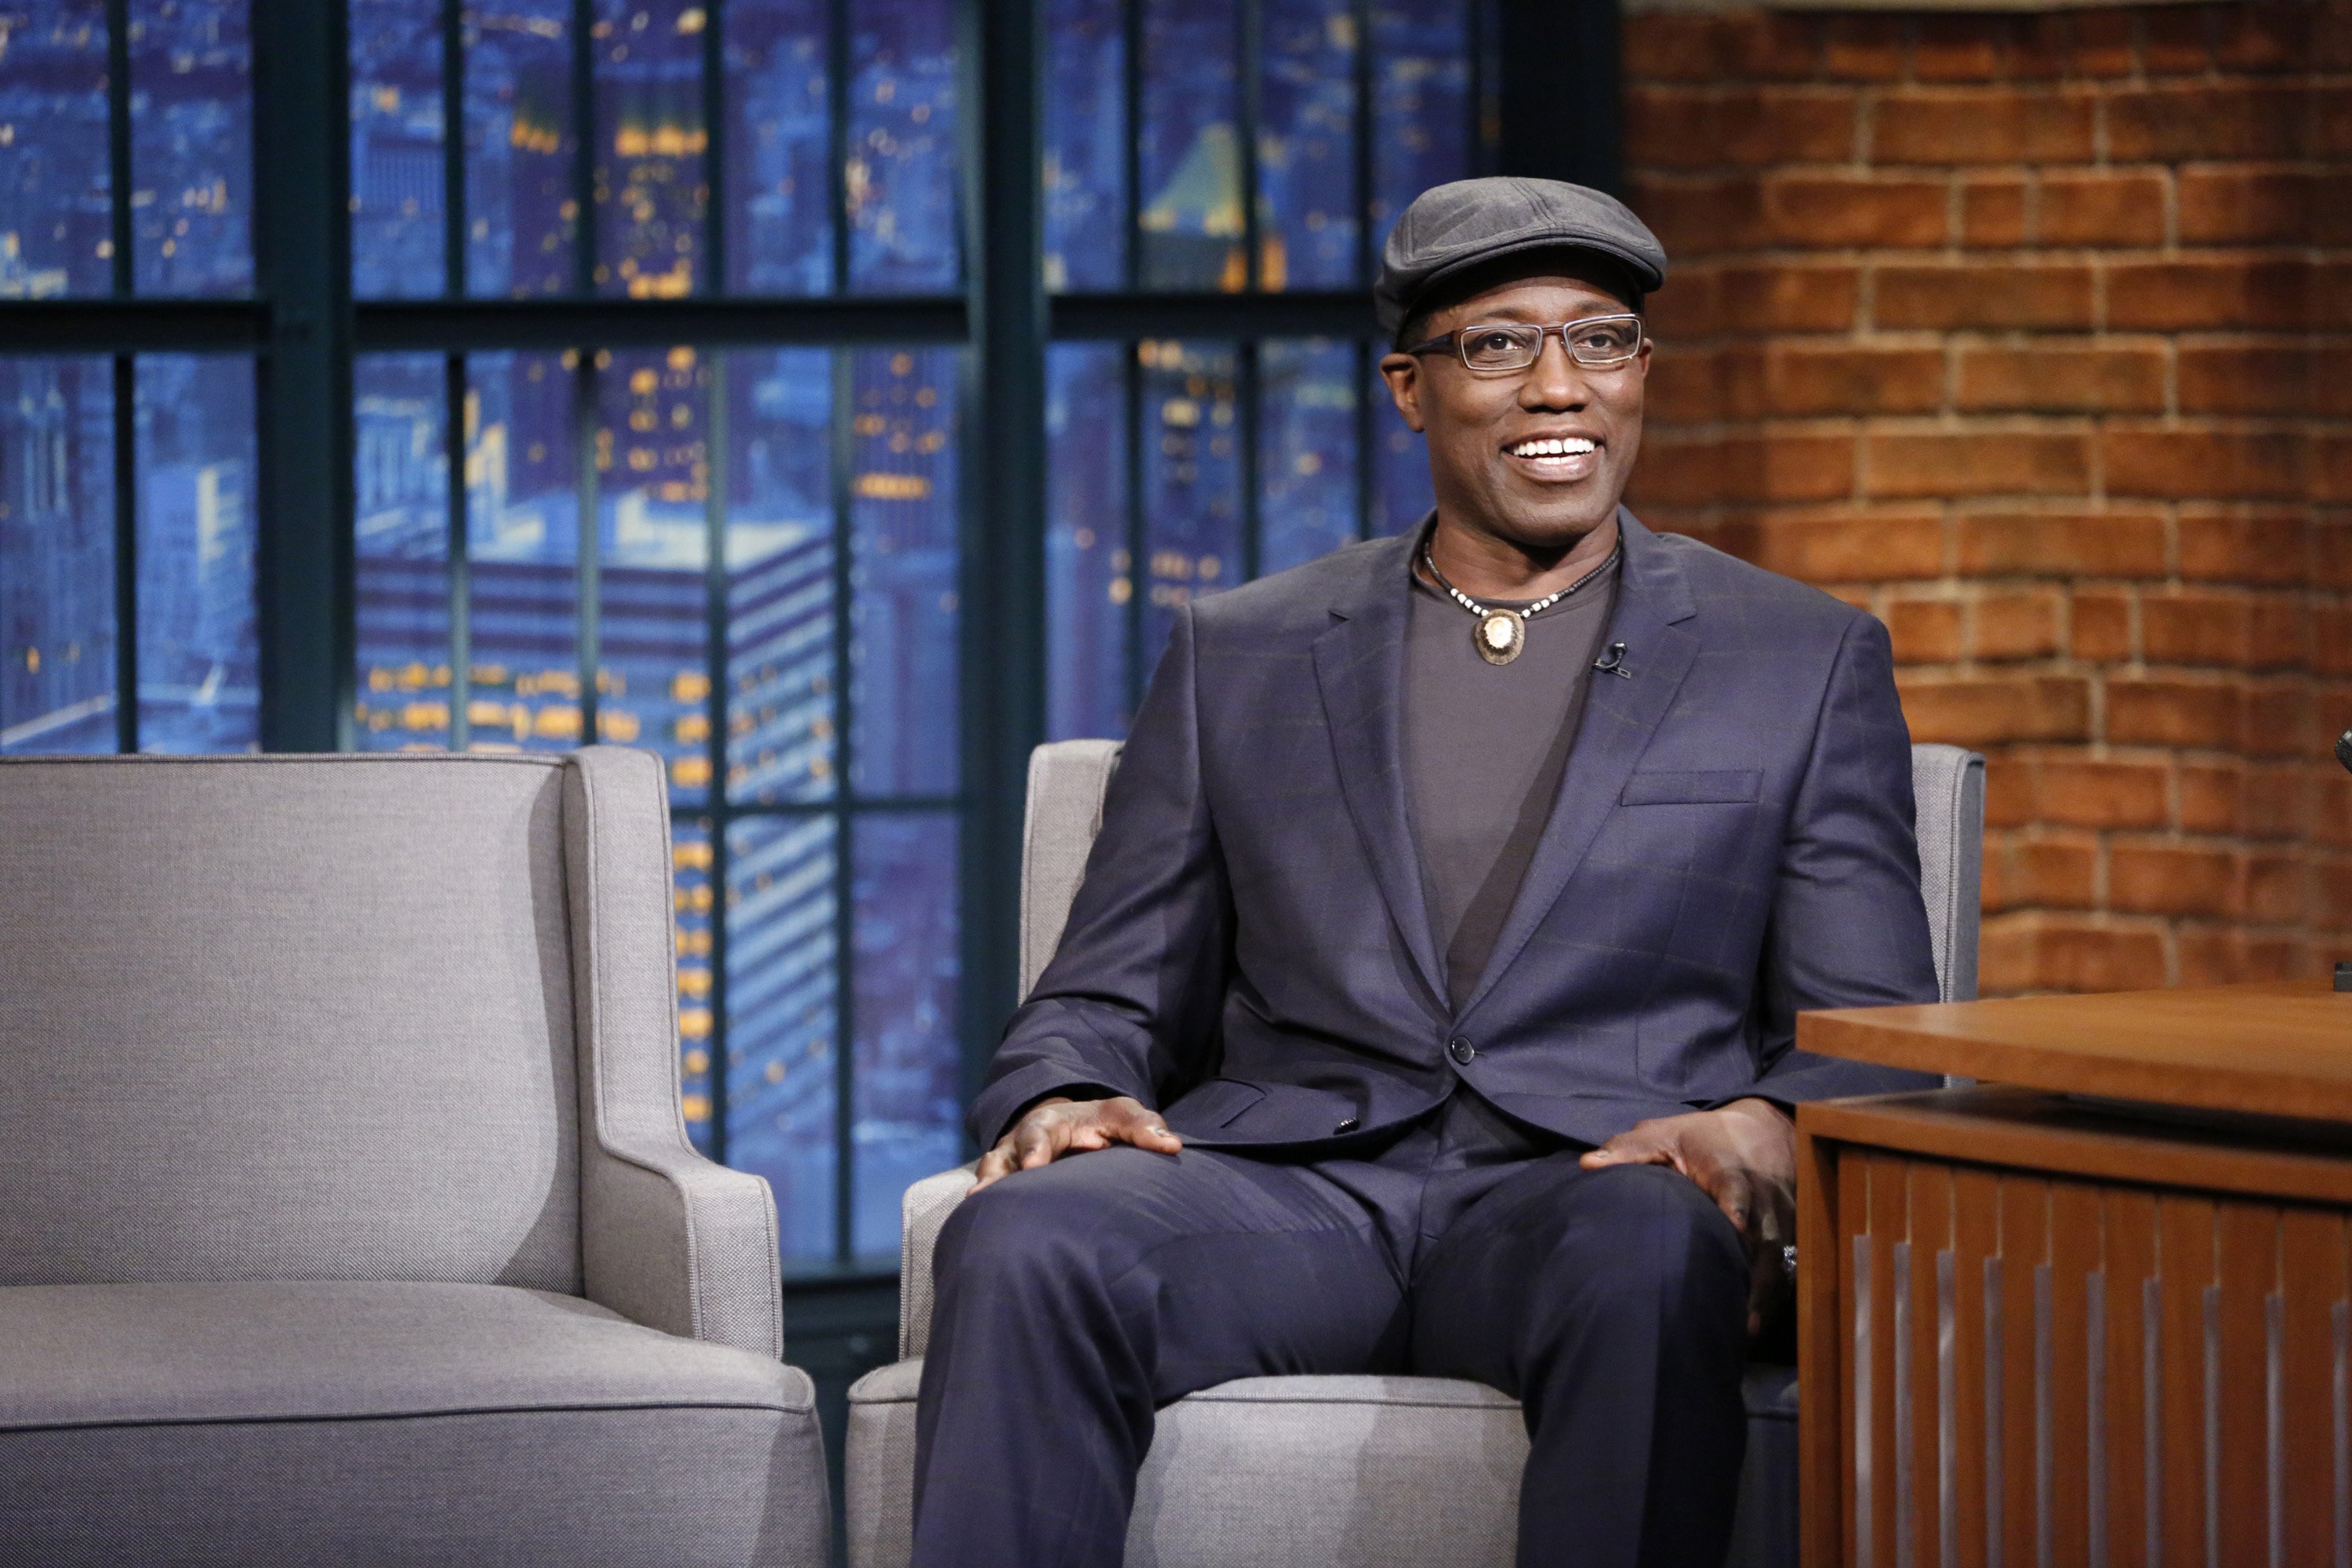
[
  {"x": 1319, "y": 1472},
  {"x": 333, "y": 1421}
]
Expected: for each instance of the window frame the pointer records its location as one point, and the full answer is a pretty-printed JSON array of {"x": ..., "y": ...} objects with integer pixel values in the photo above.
[{"x": 303, "y": 328}]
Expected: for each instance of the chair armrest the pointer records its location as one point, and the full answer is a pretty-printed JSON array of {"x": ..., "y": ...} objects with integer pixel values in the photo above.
[
  {"x": 667, "y": 1238},
  {"x": 922, "y": 1212},
  {"x": 675, "y": 1242}
]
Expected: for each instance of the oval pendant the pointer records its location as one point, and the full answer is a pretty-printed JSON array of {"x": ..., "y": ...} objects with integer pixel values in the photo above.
[{"x": 1500, "y": 634}]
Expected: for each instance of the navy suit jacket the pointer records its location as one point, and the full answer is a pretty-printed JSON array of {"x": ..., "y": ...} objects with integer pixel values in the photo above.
[{"x": 1249, "y": 952}]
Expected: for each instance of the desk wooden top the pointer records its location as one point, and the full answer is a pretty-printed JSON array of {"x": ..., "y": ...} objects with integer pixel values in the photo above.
[{"x": 2280, "y": 1048}]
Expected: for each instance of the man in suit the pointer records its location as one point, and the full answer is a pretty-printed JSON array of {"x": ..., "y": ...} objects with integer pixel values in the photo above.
[{"x": 1428, "y": 1004}]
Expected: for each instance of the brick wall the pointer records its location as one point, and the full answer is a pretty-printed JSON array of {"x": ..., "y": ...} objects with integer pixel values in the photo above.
[{"x": 2028, "y": 333}]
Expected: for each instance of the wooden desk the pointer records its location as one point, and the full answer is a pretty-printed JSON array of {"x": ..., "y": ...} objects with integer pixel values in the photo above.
[{"x": 2038, "y": 1328}]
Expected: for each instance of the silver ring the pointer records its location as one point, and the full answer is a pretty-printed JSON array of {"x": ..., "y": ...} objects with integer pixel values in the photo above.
[{"x": 1788, "y": 1257}]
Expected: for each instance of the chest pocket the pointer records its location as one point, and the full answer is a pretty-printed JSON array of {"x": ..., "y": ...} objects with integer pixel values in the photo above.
[{"x": 1704, "y": 787}]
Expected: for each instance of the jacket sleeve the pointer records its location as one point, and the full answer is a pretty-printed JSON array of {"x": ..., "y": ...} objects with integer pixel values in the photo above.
[
  {"x": 1848, "y": 926},
  {"x": 1129, "y": 1003}
]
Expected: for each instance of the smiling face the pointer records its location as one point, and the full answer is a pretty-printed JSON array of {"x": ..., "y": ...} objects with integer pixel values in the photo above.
[{"x": 1533, "y": 458}]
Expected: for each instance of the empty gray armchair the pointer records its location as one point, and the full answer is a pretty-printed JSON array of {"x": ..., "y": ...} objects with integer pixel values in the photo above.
[
  {"x": 346, "y": 1212},
  {"x": 1339, "y": 1472}
]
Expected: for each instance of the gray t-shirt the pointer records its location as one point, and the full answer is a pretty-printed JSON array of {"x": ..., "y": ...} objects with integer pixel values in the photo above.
[{"x": 1485, "y": 747}]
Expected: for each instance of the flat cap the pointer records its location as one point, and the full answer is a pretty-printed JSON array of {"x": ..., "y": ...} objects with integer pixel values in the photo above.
[{"x": 1451, "y": 227}]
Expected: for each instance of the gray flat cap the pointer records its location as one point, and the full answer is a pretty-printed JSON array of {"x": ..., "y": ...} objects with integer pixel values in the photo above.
[{"x": 1453, "y": 227}]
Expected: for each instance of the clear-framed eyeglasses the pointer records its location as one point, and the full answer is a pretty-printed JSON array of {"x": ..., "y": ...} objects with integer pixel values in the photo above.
[{"x": 1596, "y": 343}]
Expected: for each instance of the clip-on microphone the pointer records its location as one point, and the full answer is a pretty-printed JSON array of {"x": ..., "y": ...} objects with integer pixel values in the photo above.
[{"x": 1613, "y": 661}]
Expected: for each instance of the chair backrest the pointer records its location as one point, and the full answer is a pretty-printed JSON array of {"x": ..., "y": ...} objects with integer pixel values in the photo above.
[
  {"x": 1067, "y": 778},
  {"x": 286, "y": 1017}
]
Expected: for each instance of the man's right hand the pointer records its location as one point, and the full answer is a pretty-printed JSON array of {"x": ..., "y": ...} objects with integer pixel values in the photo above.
[{"x": 1056, "y": 1126}]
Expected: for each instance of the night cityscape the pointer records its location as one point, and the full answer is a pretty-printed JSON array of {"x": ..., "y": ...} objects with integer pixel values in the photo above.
[{"x": 838, "y": 803}]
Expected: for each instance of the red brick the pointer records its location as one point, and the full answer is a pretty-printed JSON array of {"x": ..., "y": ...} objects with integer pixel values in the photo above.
[
  {"x": 1960, "y": 47},
  {"x": 2249, "y": 465},
  {"x": 1692, "y": 308},
  {"x": 2083, "y": 793},
  {"x": 2165, "y": 711},
  {"x": 2035, "y": 951},
  {"x": 1681, "y": 128},
  {"x": 1925, "y": 631},
  {"x": 1699, "y": 214},
  {"x": 1983, "y": 295},
  {"x": 2100, "y": 209},
  {"x": 2099, "y": 42},
  {"x": 2235, "y": 206},
  {"x": 2236, "y": 119},
  {"x": 1792, "y": 466},
  {"x": 2331, "y": 643},
  {"x": 1992, "y": 212},
  {"x": 2244, "y": 378},
  {"x": 2331, "y": 122},
  {"x": 1863, "y": 49},
  {"x": 2233, "y": 293},
  {"x": 2282, "y": 636},
  {"x": 2055, "y": 379},
  {"x": 1976, "y": 710},
  {"x": 1767, "y": 45},
  {"x": 2272, "y": 888},
  {"x": 1991, "y": 125},
  {"x": 2278, "y": 718},
  {"x": 1789, "y": 298},
  {"x": 2174, "y": 40},
  {"x": 1801, "y": 379},
  {"x": 2278, "y": 801},
  {"x": 2015, "y": 625},
  {"x": 2331, "y": 553},
  {"x": 2196, "y": 627},
  {"x": 2101, "y": 625},
  {"x": 2212, "y": 796},
  {"x": 2066, "y": 544},
  {"x": 2171, "y": 880},
  {"x": 1668, "y": 46},
  {"x": 2327, "y": 465},
  {"x": 1685, "y": 387},
  {"x": 2227, "y": 957},
  {"x": 2263, "y": 38},
  {"x": 2044, "y": 870},
  {"x": 1846, "y": 547},
  {"x": 2019, "y": 462},
  {"x": 1862, "y": 210}
]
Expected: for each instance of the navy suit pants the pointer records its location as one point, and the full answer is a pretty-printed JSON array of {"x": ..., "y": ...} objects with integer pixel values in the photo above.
[{"x": 1076, "y": 1298}]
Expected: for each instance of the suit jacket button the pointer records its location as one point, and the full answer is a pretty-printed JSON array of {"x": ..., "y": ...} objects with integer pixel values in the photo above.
[
  {"x": 1460, "y": 1050},
  {"x": 1348, "y": 1126}
]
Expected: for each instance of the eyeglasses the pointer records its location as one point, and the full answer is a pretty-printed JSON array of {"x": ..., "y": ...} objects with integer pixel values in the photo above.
[{"x": 1596, "y": 343}]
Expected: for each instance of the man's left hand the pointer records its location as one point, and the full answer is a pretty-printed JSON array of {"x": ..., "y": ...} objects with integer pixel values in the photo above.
[{"x": 1744, "y": 1156}]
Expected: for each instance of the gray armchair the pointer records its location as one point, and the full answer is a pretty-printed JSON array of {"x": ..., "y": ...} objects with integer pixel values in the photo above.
[
  {"x": 1339, "y": 1472},
  {"x": 346, "y": 1213}
]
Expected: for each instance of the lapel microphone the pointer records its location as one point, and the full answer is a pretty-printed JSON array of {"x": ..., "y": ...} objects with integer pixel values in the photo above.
[{"x": 1614, "y": 662}]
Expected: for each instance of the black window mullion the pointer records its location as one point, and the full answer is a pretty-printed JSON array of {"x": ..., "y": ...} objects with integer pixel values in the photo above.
[
  {"x": 585, "y": 384},
  {"x": 1138, "y": 535},
  {"x": 714, "y": 148},
  {"x": 1249, "y": 62},
  {"x": 715, "y": 600},
  {"x": 1368, "y": 240},
  {"x": 461, "y": 597},
  {"x": 117, "y": 145},
  {"x": 126, "y": 381},
  {"x": 126, "y": 554},
  {"x": 453, "y": 149},
  {"x": 1131, "y": 365},
  {"x": 845, "y": 1020},
  {"x": 1369, "y": 391},
  {"x": 836, "y": 110},
  {"x": 584, "y": 146},
  {"x": 1245, "y": 421}
]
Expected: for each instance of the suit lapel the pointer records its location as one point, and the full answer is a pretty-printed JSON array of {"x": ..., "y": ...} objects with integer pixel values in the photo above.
[
  {"x": 1360, "y": 668},
  {"x": 1621, "y": 714}
]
